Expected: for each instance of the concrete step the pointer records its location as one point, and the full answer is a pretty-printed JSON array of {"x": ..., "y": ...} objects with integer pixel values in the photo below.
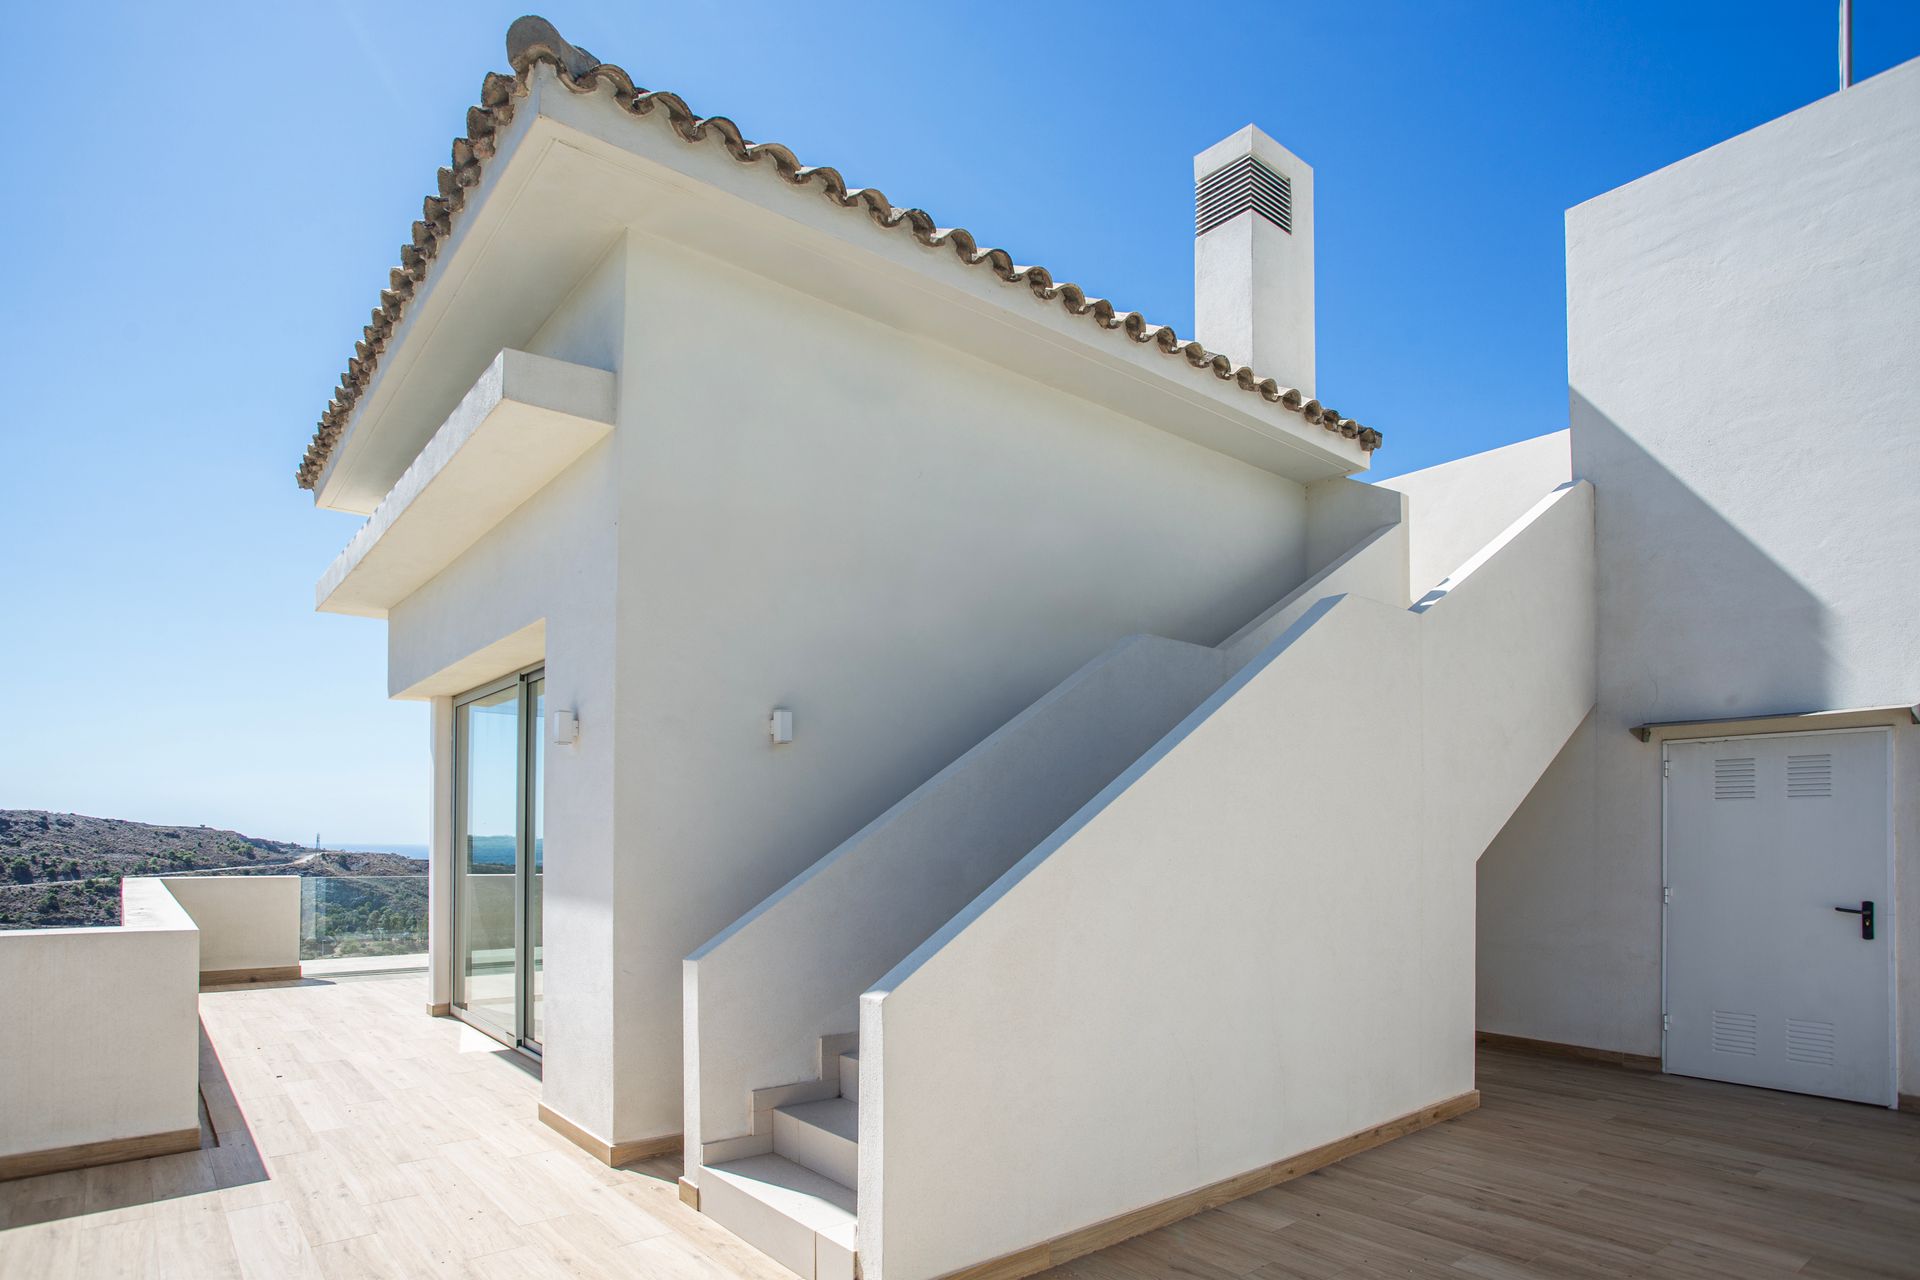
[
  {"x": 800, "y": 1218},
  {"x": 850, "y": 1074},
  {"x": 824, "y": 1136}
]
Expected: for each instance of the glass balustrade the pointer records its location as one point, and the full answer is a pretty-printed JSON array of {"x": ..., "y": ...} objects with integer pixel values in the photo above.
[{"x": 346, "y": 916}]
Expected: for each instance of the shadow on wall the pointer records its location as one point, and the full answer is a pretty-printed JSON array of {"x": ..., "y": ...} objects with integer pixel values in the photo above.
[
  {"x": 228, "y": 1157},
  {"x": 1696, "y": 621}
]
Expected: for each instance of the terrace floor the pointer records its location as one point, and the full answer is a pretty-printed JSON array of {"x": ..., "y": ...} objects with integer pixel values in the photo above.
[{"x": 358, "y": 1137}]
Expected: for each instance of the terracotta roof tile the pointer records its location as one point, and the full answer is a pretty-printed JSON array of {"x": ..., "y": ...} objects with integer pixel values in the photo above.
[{"x": 533, "y": 41}]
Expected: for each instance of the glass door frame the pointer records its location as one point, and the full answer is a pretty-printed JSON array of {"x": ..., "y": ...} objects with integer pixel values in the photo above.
[{"x": 526, "y": 779}]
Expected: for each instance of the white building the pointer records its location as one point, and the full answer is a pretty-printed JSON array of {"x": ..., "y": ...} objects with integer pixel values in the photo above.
[{"x": 1002, "y": 774}]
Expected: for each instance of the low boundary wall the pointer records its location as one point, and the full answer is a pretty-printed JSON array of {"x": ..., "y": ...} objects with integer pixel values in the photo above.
[{"x": 101, "y": 1057}]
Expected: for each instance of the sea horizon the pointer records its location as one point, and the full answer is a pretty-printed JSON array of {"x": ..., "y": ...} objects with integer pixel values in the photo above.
[{"x": 363, "y": 846}]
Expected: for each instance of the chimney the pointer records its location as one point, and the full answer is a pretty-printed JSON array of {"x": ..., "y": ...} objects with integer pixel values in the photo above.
[{"x": 1253, "y": 257}]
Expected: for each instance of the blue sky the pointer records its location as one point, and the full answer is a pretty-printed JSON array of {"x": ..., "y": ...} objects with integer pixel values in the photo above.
[{"x": 203, "y": 202}]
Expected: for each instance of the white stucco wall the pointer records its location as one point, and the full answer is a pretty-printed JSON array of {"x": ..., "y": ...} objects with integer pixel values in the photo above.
[
  {"x": 245, "y": 922},
  {"x": 1744, "y": 361},
  {"x": 549, "y": 566},
  {"x": 797, "y": 507},
  {"x": 760, "y": 995},
  {"x": 587, "y": 327},
  {"x": 541, "y": 585},
  {"x": 102, "y": 1027},
  {"x": 904, "y": 545},
  {"x": 1255, "y": 941},
  {"x": 1456, "y": 507},
  {"x": 1342, "y": 513},
  {"x": 1357, "y": 540}
]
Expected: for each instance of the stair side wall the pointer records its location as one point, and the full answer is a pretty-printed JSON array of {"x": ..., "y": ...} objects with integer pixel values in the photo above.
[
  {"x": 760, "y": 995},
  {"x": 1257, "y": 940},
  {"x": 1459, "y": 506},
  {"x": 902, "y": 544}
]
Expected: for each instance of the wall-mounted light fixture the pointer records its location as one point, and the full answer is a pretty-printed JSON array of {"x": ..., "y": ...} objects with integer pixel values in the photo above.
[
  {"x": 566, "y": 728},
  {"x": 780, "y": 726}
]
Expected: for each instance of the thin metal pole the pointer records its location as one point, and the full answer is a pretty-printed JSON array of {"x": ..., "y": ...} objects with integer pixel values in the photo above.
[{"x": 1846, "y": 43}]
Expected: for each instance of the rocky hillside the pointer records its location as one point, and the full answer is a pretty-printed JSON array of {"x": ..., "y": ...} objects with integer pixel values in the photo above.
[{"x": 65, "y": 869}]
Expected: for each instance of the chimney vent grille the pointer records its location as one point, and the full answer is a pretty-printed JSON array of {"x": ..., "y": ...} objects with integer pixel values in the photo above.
[{"x": 1246, "y": 185}]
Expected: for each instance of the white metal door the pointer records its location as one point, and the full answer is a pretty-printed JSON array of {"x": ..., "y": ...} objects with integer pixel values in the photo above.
[{"x": 1769, "y": 981}]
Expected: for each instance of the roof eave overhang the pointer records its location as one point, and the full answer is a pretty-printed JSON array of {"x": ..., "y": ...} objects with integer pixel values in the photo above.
[
  {"x": 519, "y": 245},
  {"x": 574, "y": 171}
]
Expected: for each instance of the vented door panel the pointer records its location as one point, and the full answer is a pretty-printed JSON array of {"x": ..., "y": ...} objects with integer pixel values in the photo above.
[{"x": 1767, "y": 984}]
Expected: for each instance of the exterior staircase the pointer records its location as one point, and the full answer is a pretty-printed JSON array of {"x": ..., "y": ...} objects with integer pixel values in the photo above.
[
  {"x": 1403, "y": 729},
  {"x": 796, "y": 1201}
]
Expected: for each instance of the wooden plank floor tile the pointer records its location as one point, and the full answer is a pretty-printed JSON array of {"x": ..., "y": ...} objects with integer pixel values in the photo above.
[
  {"x": 358, "y": 1138},
  {"x": 1573, "y": 1170}
]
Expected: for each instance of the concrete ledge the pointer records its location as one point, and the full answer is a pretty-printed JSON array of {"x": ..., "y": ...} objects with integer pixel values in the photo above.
[
  {"x": 85, "y": 1155},
  {"x": 1077, "y": 1244},
  {"x": 525, "y": 421},
  {"x": 1779, "y": 722},
  {"x": 1577, "y": 1052},
  {"x": 241, "y": 977},
  {"x": 614, "y": 1154}
]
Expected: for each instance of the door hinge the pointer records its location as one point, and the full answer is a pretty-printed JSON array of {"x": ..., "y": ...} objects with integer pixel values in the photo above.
[
  {"x": 1666, "y": 1022},
  {"x": 1666, "y": 893},
  {"x": 1666, "y": 768}
]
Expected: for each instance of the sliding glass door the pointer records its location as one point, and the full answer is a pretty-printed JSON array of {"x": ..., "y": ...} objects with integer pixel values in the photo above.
[
  {"x": 498, "y": 857},
  {"x": 534, "y": 962}
]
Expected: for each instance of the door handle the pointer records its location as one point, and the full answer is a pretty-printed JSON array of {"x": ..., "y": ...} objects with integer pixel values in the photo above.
[{"x": 1865, "y": 912}]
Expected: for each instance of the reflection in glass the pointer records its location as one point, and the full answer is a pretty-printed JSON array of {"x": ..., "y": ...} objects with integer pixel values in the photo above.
[
  {"x": 485, "y": 861},
  {"x": 536, "y": 787},
  {"x": 363, "y": 916}
]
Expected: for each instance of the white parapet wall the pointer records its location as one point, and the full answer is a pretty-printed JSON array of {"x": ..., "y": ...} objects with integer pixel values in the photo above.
[
  {"x": 101, "y": 1056},
  {"x": 1459, "y": 506},
  {"x": 249, "y": 925},
  {"x": 101, "y": 1050},
  {"x": 1373, "y": 566},
  {"x": 1256, "y": 941}
]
